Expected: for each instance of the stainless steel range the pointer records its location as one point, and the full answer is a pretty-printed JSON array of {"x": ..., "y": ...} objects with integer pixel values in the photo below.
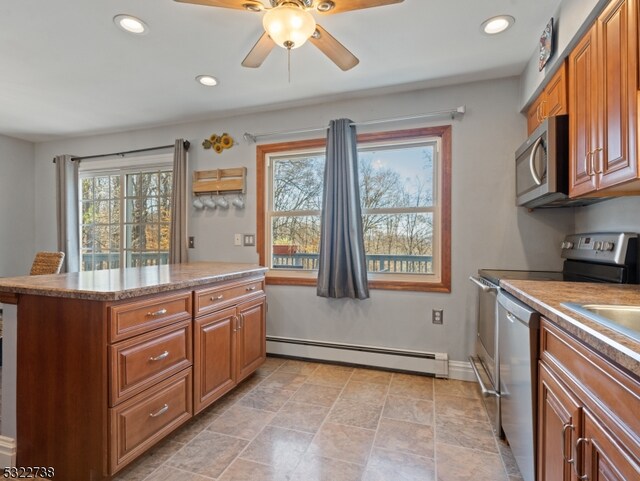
[{"x": 505, "y": 360}]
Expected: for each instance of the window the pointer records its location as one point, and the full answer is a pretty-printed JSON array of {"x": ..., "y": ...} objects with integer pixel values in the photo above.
[
  {"x": 125, "y": 214},
  {"x": 405, "y": 199}
]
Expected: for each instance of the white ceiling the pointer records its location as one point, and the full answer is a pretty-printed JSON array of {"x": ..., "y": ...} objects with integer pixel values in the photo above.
[{"x": 66, "y": 70}]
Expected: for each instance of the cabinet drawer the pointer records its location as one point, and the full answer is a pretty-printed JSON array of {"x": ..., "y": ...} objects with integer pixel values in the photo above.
[
  {"x": 142, "y": 421},
  {"x": 212, "y": 299},
  {"x": 139, "y": 362},
  {"x": 130, "y": 319}
]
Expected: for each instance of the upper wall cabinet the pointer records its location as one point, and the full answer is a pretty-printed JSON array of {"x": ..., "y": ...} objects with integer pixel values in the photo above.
[
  {"x": 551, "y": 101},
  {"x": 603, "y": 105}
]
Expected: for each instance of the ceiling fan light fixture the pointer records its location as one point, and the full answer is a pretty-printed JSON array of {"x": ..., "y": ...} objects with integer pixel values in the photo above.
[
  {"x": 288, "y": 25},
  {"x": 497, "y": 24},
  {"x": 130, "y": 24}
]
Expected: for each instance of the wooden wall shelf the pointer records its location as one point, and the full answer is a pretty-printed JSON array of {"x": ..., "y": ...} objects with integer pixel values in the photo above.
[{"x": 220, "y": 181}]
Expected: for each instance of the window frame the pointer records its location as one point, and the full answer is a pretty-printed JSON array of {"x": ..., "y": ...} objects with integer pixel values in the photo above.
[
  {"x": 121, "y": 168},
  {"x": 442, "y": 238}
]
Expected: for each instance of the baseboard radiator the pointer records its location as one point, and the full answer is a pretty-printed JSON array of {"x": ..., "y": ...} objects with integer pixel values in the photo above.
[{"x": 435, "y": 363}]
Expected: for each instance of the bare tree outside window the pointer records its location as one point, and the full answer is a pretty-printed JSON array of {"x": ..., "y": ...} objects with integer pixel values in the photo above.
[
  {"x": 397, "y": 196},
  {"x": 125, "y": 219}
]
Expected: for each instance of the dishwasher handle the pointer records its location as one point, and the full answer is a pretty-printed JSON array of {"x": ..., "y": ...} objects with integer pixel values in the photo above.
[
  {"x": 517, "y": 311},
  {"x": 483, "y": 284}
]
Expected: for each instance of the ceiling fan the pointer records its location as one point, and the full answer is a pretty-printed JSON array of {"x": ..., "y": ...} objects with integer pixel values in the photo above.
[{"x": 289, "y": 24}]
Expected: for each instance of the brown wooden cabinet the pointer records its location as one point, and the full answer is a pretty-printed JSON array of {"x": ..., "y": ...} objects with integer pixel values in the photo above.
[
  {"x": 215, "y": 353},
  {"x": 603, "y": 105},
  {"x": 588, "y": 413},
  {"x": 100, "y": 382},
  {"x": 558, "y": 421},
  {"x": 252, "y": 348},
  {"x": 551, "y": 101},
  {"x": 229, "y": 339}
]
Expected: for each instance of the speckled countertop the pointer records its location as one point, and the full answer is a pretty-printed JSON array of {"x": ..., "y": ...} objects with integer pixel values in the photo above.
[
  {"x": 546, "y": 297},
  {"x": 118, "y": 284}
]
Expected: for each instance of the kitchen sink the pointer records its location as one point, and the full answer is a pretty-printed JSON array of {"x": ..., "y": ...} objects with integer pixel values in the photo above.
[{"x": 624, "y": 319}]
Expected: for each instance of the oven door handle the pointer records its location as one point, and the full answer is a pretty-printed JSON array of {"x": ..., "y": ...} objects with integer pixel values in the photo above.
[
  {"x": 481, "y": 285},
  {"x": 485, "y": 392}
]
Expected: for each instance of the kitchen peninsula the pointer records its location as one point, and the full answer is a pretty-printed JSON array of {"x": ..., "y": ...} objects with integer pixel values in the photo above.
[{"x": 107, "y": 363}]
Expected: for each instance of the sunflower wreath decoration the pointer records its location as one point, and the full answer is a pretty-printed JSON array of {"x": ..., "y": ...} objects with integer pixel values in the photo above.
[{"x": 218, "y": 142}]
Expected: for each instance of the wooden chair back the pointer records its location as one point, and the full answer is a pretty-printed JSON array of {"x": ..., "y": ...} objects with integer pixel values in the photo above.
[{"x": 47, "y": 263}]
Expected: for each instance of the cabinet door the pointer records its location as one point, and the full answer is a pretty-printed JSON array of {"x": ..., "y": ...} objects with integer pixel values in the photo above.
[
  {"x": 583, "y": 118},
  {"x": 558, "y": 427},
  {"x": 604, "y": 458},
  {"x": 252, "y": 349},
  {"x": 616, "y": 157},
  {"x": 556, "y": 94},
  {"x": 534, "y": 116},
  {"x": 214, "y": 351}
]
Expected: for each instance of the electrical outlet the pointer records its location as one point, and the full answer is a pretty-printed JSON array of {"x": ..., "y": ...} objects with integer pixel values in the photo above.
[
  {"x": 437, "y": 316},
  {"x": 192, "y": 242},
  {"x": 237, "y": 240},
  {"x": 249, "y": 240}
]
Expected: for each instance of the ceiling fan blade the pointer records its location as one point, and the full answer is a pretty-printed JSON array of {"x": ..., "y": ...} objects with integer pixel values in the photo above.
[
  {"x": 259, "y": 52},
  {"x": 339, "y": 6},
  {"x": 333, "y": 49},
  {"x": 237, "y": 4}
]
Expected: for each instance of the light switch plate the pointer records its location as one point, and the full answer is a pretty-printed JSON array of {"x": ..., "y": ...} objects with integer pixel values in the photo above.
[
  {"x": 249, "y": 240},
  {"x": 237, "y": 240}
]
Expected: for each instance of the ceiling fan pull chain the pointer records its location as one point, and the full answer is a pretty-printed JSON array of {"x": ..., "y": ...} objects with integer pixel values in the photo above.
[{"x": 289, "y": 63}]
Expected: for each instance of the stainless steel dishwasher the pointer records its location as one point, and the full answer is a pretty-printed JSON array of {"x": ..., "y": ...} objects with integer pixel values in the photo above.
[{"x": 518, "y": 327}]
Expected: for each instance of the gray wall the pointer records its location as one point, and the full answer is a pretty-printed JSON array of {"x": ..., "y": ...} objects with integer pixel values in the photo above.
[
  {"x": 16, "y": 206},
  {"x": 571, "y": 18},
  {"x": 621, "y": 214},
  {"x": 487, "y": 231}
]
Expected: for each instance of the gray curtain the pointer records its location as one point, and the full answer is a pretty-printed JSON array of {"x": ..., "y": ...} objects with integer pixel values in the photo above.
[
  {"x": 342, "y": 270},
  {"x": 67, "y": 212},
  {"x": 178, "y": 242}
]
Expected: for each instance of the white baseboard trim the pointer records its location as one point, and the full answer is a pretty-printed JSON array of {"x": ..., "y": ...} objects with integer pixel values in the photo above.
[
  {"x": 8, "y": 448},
  {"x": 395, "y": 359},
  {"x": 461, "y": 370}
]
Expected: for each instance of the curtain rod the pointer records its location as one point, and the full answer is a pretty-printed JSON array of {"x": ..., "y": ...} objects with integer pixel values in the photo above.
[
  {"x": 452, "y": 112},
  {"x": 148, "y": 149}
]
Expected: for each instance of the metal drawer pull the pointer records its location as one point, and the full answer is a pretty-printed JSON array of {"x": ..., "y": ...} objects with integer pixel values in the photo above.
[
  {"x": 252, "y": 288},
  {"x": 564, "y": 443},
  {"x": 161, "y": 312},
  {"x": 160, "y": 411},
  {"x": 162, "y": 356},
  {"x": 217, "y": 298}
]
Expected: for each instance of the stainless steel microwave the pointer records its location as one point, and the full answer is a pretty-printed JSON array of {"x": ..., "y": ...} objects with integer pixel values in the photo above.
[{"x": 542, "y": 165}]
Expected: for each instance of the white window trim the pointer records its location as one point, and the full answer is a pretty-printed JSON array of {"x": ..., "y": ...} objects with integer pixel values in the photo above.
[
  {"x": 119, "y": 166},
  {"x": 127, "y": 163}
]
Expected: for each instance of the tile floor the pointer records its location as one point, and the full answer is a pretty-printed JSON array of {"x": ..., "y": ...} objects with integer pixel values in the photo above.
[{"x": 304, "y": 421}]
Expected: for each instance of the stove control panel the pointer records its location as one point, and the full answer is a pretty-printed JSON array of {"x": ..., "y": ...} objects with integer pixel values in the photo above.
[{"x": 609, "y": 247}]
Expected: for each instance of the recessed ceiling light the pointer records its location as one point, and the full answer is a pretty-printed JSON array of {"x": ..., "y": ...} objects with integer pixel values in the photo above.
[
  {"x": 130, "y": 24},
  {"x": 207, "y": 80},
  {"x": 497, "y": 24}
]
